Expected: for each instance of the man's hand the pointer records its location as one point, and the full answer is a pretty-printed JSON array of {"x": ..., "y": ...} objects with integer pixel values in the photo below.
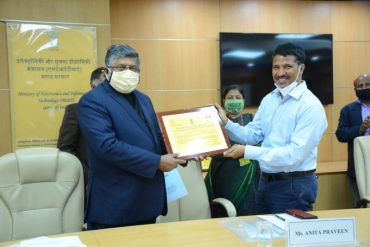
[
  {"x": 199, "y": 158},
  {"x": 169, "y": 162},
  {"x": 221, "y": 113},
  {"x": 235, "y": 152},
  {"x": 365, "y": 125}
]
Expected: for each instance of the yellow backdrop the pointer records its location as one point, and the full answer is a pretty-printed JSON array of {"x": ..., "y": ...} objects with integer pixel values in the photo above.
[{"x": 49, "y": 68}]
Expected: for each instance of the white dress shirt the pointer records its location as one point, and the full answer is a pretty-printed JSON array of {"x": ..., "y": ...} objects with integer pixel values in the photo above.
[{"x": 290, "y": 130}]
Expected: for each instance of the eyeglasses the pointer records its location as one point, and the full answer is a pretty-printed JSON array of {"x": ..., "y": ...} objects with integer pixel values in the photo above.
[{"x": 124, "y": 67}]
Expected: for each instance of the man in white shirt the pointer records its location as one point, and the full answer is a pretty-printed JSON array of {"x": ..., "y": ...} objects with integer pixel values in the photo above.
[{"x": 290, "y": 122}]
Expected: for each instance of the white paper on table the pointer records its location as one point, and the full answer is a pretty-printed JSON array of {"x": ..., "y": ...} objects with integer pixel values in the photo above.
[
  {"x": 175, "y": 187},
  {"x": 71, "y": 241},
  {"x": 282, "y": 224}
]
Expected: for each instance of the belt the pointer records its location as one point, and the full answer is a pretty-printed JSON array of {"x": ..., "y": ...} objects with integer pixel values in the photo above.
[{"x": 286, "y": 175}]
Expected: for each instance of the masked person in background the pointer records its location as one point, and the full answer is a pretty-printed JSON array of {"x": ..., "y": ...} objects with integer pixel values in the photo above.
[
  {"x": 234, "y": 179},
  {"x": 354, "y": 121},
  {"x": 126, "y": 150}
]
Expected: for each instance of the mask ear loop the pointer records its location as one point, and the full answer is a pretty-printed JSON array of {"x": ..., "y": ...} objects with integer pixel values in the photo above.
[
  {"x": 299, "y": 70},
  {"x": 106, "y": 71}
]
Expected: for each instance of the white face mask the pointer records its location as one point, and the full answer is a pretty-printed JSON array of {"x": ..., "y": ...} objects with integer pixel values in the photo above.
[
  {"x": 284, "y": 91},
  {"x": 124, "y": 81}
]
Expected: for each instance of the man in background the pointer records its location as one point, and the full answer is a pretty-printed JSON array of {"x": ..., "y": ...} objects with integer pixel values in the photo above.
[
  {"x": 125, "y": 148},
  {"x": 354, "y": 121},
  {"x": 70, "y": 138},
  {"x": 290, "y": 122}
]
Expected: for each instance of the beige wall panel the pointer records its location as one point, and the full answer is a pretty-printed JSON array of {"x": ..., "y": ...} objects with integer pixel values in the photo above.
[
  {"x": 103, "y": 42},
  {"x": 339, "y": 150},
  {"x": 80, "y": 11},
  {"x": 332, "y": 167},
  {"x": 342, "y": 97},
  {"x": 275, "y": 16},
  {"x": 350, "y": 60},
  {"x": 350, "y": 20},
  {"x": 178, "y": 65},
  {"x": 162, "y": 19},
  {"x": 333, "y": 192},
  {"x": 4, "y": 76},
  {"x": 5, "y": 130},
  {"x": 324, "y": 152},
  {"x": 328, "y": 113},
  {"x": 167, "y": 101},
  {"x": 170, "y": 64}
]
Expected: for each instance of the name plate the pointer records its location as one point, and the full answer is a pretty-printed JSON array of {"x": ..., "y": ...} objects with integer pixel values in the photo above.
[{"x": 322, "y": 232}]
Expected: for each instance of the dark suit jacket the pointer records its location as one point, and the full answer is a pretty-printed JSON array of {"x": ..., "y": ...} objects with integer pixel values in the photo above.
[
  {"x": 348, "y": 129},
  {"x": 125, "y": 185},
  {"x": 70, "y": 138}
]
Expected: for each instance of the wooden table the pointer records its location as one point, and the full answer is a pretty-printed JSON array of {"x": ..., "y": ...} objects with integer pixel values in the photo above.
[{"x": 199, "y": 233}]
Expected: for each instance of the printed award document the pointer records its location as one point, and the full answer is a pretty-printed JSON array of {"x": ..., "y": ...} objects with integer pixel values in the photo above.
[{"x": 193, "y": 132}]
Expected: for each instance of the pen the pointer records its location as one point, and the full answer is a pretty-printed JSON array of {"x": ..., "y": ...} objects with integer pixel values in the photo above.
[{"x": 279, "y": 217}]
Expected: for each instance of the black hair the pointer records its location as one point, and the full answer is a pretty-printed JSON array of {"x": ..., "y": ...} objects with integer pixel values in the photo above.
[
  {"x": 96, "y": 73},
  {"x": 119, "y": 51},
  {"x": 232, "y": 87},
  {"x": 291, "y": 49}
]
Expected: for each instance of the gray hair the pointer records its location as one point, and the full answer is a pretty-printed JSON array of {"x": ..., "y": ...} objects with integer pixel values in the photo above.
[{"x": 119, "y": 51}]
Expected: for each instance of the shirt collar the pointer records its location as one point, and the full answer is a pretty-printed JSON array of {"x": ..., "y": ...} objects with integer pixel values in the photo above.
[
  {"x": 299, "y": 90},
  {"x": 296, "y": 92},
  {"x": 361, "y": 103}
]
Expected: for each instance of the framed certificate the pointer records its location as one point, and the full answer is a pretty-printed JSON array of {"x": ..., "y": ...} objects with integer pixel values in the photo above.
[{"x": 193, "y": 132}]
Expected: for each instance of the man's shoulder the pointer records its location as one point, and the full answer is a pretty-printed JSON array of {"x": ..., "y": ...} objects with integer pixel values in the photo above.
[
  {"x": 72, "y": 106},
  {"x": 310, "y": 98},
  {"x": 352, "y": 105},
  {"x": 141, "y": 95},
  {"x": 271, "y": 95},
  {"x": 98, "y": 92}
]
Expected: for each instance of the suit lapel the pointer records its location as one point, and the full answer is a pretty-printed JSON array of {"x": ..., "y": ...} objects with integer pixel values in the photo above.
[
  {"x": 131, "y": 112},
  {"x": 146, "y": 113},
  {"x": 357, "y": 114}
]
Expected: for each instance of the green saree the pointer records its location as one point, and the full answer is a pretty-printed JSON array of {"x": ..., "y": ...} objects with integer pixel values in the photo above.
[{"x": 234, "y": 179}]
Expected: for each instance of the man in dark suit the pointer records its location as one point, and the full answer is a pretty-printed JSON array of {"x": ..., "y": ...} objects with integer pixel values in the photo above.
[
  {"x": 354, "y": 121},
  {"x": 70, "y": 138},
  {"x": 126, "y": 151}
]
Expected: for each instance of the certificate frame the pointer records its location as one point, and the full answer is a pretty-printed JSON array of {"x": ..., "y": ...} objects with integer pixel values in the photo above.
[{"x": 193, "y": 132}]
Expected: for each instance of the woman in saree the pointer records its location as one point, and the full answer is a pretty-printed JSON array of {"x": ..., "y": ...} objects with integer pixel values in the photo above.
[{"x": 234, "y": 179}]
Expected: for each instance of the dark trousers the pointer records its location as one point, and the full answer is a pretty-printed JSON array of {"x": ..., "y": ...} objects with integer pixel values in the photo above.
[
  {"x": 97, "y": 226},
  {"x": 354, "y": 191},
  {"x": 276, "y": 196}
]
